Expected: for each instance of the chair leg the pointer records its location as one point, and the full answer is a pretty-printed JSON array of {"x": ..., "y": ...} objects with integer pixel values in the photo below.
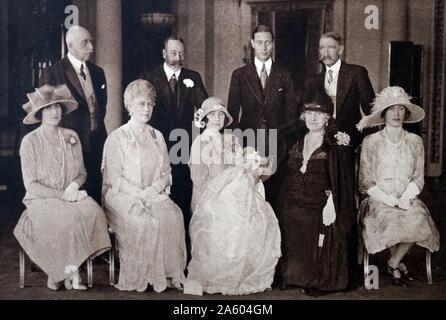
[
  {"x": 366, "y": 266},
  {"x": 428, "y": 267},
  {"x": 90, "y": 272},
  {"x": 111, "y": 256},
  {"x": 22, "y": 267}
]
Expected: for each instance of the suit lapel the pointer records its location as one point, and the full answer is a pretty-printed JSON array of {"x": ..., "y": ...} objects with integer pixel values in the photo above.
[
  {"x": 163, "y": 86},
  {"x": 344, "y": 83},
  {"x": 271, "y": 83},
  {"x": 73, "y": 81},
  {"x": 254, "y": 84}
]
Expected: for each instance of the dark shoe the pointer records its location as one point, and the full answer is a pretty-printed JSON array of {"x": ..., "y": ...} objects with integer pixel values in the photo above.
[
  {"x": 406, "y": 274},
  {"x": 397, "y": 279}
]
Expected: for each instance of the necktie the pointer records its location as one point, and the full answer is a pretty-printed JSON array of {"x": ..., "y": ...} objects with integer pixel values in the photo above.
[
  {"x": 82, "y": 73},
  {"x": 330, "y": 76},
  {"x": 173, "y": 83},
  {"x": 263, "y": 76}
]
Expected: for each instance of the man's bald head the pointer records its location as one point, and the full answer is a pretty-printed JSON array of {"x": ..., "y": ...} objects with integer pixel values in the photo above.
[{"x": 79, "y": 43}]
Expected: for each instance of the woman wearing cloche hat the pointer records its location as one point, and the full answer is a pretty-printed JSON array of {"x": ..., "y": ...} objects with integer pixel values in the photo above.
[
  {"x": 61, "y": 226},
  {"x": 391, "y": 175},
  {"x": 234, "y": 232}
]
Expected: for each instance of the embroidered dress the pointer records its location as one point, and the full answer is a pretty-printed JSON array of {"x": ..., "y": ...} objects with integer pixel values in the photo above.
[
  {"x": 234, "y": 232},
  {"x": 56, "y": 233},
  {"x": 150, "y": 232},
  {"x": 392, "y": 166}
]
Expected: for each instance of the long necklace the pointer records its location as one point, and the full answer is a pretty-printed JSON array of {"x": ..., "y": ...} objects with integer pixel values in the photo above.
[
  {"x": 393, "y": 143},
  {"x": 308, "y": 151},
  {"x": 59, "y": 182}
]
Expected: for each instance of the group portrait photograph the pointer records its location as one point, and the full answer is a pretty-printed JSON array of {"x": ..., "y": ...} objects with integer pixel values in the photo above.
[{"x": 203, "y": 151}]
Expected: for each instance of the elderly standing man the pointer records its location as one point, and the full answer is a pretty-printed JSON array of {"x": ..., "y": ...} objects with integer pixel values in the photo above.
[
  {"x": 348, "y": 85},
  {"x": 87, "y": 84},
  {"x": 180, "y": 92}
]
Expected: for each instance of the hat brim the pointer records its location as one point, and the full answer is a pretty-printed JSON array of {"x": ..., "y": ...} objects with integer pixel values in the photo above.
[
  {"x": 70, "y": 106},
  {"x": 224, "y": 110},
  {"x": 375, "y": 119}
]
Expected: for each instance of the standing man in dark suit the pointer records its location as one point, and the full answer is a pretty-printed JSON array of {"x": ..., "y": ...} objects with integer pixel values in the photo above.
[
  {"x": 88, "y": 86},
  {"x": 262, "y": 96},
  {"x": 180, "y": 92},
  {"x": 348, "y": 85}
]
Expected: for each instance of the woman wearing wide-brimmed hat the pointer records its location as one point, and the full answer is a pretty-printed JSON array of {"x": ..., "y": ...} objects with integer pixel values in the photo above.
[
  {"x": 234, "y": 232},
  {"x": 391, "y": 175},
  {"x": 316, "y": 204},
  {"x": 62, "y": 226},
  {"x": 136, "y": 185}
]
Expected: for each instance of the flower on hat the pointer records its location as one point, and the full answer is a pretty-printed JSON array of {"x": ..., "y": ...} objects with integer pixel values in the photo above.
[
  {"x": 342, "y": 138},
  {"x": 198, "y": 116},
  {"x": 188, "y": 83}
]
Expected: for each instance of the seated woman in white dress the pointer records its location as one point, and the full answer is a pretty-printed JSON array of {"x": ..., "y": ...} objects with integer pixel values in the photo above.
[
  {"x": 136, "y": 184},
  {"x": 234, "y": 232},
  {"x": 61, "y": 226},
  {"x": 391, "y": 174}
]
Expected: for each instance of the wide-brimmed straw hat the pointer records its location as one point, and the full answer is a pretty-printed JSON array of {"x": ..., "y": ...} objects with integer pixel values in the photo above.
[
  {"x": 45, "y": 96},
  {"x": 209, "y": 105},
  {"x": 388, "y": 97}
]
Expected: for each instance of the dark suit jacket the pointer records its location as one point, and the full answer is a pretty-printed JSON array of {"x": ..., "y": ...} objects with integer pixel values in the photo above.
[
  {"x": 180, "y": 114},
  {"x": 354, "y": 91},
  {"x": 62, "y": 72},
  {"x": 271, "y": 108}
]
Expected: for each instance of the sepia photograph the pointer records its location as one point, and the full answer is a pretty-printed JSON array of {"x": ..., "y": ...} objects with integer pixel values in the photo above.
[{"x": 221, "y": 157}]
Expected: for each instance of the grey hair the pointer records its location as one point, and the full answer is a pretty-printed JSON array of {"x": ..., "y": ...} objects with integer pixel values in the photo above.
[
  {"x": 302, "y": 115},
  {"x": 139, "y": 88},
  {"x": 335, "y": 36},
  {"x": 73, "y": 32}
]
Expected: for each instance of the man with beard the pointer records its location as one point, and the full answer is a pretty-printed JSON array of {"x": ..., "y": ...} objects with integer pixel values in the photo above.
[
  {"x": 180, "y": 92},
  {"x": 348, "y": 85}
]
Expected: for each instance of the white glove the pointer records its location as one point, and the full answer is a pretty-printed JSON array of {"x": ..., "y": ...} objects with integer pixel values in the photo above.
[
  {"x": 376, "y": 193},
  {"x": 411, "y": 192},
  {"x": 329, "y": 213},
  {"x": 70, "y": 193}
]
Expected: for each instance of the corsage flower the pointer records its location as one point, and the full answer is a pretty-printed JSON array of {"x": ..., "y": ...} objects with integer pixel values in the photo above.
[
  {"x": 72, "y": 140},
  {"x": 188, "y": 83},
  {"x": 198, "y": 117},
  {"x": 342, "y": 138}
]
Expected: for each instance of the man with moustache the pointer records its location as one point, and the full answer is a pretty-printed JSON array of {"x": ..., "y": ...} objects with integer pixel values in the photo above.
[
  {"x": 262, "y": 96},
  {"x": 88, "y": 86},
  {"x": 180, "y": 92},
  {"x": 348, "y": 85}
]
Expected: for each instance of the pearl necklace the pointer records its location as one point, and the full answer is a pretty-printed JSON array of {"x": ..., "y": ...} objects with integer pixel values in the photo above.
[
  {"x": 393, "y": 143},
  {"x": 60, "y": 181},
  {"x": 308, "y": 151}
]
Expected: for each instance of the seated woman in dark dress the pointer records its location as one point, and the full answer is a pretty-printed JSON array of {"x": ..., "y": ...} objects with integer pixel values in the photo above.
[{"x": 316, "y": 204}]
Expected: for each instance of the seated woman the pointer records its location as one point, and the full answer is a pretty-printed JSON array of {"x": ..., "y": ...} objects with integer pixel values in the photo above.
[
  {"x": 136, "y": 184},
  {"x": 62, "y": 226},
  {"x": 234, "y": 232},
  {"x": 391, "y": 174},
  {"x": 317, "y": 204}
]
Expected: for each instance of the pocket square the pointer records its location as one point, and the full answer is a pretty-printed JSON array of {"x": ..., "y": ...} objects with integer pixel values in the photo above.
[
  {"x": 103, "y": 86},
  {"x": 280, "y": 89}
]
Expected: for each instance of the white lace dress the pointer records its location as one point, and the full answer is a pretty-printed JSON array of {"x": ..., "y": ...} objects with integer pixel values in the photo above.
[
  {"x": 234, "y": 232},
  {"x": 150, "y": 232}
]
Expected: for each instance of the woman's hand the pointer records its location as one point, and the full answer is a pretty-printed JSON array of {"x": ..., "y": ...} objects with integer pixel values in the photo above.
[
  {"x": 71, "y": 192},
  {"x": 329, "y": 212}
]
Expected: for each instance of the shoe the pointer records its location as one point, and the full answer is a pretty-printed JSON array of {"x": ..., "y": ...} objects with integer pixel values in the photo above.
[
  {"x": 406, "y": 274},
  {"x": 74, "y": 282},
  {"x": 53, "y": 285},
  {"x": 397, "y": 279}
]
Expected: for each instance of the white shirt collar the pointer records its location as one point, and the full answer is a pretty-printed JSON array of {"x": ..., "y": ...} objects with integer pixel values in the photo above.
[
  {"x": 335, "y": 67},
  {"x": 76, "y": 63},
  {"x": 259, "y": 65},
  {"x": 169, "y": 72}
]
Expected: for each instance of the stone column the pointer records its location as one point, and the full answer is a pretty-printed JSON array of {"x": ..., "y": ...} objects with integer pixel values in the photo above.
[
  {"x": 109, "y": 56},
  {"x": 395, "y": 28}
]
